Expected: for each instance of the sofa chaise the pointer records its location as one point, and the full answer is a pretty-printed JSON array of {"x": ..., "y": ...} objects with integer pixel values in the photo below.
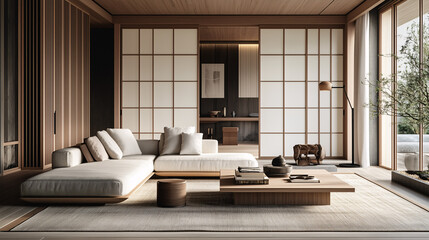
[{"x": 111, "y": 181}]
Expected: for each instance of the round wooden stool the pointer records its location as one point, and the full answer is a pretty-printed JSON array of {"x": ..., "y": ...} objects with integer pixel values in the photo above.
[{"x": 171, "y": 193}]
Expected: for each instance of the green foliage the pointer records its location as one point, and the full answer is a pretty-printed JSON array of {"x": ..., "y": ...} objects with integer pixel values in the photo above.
[{"x": 410, "y": 99}]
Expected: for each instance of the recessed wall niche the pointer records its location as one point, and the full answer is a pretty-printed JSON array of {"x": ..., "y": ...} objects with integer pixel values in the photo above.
[{"x": 241, "y": 75}]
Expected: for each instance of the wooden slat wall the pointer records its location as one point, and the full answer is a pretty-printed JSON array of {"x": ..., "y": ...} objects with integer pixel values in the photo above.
[{"x": 56, "y": 79}]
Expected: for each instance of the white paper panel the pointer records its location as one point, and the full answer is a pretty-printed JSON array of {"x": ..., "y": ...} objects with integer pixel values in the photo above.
[
  {"x": 325, "y": 120},
  {"x": 130, "y": 119},
  {"x": 313, "y": 68},
  {"x": 185, "y": 41},
  {"x": 271, "y": 68},
  {"x": 325, "y": 98},
  {"x": 163, "y": 68},
  {"x": 271, "y": 120},
  {"x": 146, "y": 136},
  {"x": 145, "y": 120},
  {"x": 130, "y": 94},
  {"x": 271, "y": 41},
  {"x": 294, "y": 94},
  {"x": 294, "y": 68},
  {"x": 312, "y": 138},
  {"x": 313, "y": 120},
  {"x": 162, "y": 118},
  {"x": 130, "y": 41},
  {"x": 337, "y": 41},
  {"x": 337, "y": 95},
  {"x": 185, "y": 68},
  {"x": 295, "y": 41},
  {"x": 271, "y": 94},
  {"x": 271, "y": 145},
  {"x": 145, "y": 68},
  {"x": 145, "y": 94},
  {"x": 337, "y": 120},
  {"x": 325, "y": 41},
  {"x": 136, "y": 136},
  {"x": 325, "y": 141},
  {"x": 337, "y": 145},
  {"x": 313, "y": 94},
  {"x": 185, "y": 94},
  {"x": 163, "y": 41},
  {"x": 294, "y": 120},
  {"x": 337, "y": 68},
  {"x": 146, "y": 41},
  {"x": 325, "y": 68},
  {"x": 292, "y": 140},
  {"x": 130, "y": 68},
  {"x": 313, "y": 41},
  {"x": 185, "y": 118},
  {"x": 163, "y": 94}
]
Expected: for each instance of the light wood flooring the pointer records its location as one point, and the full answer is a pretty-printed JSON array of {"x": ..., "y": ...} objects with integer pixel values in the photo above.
[{"x": 9, "y": 195}]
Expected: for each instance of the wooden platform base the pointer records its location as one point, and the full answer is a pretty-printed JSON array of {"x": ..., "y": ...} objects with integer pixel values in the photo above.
[{"x": 282, "y": 198}]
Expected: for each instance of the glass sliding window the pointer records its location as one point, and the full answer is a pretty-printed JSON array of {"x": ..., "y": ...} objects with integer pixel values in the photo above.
[
  {"x": 385, "y": 61},
  {"x": 407, "y": 50},
  {"x": 426, "y": 68}
]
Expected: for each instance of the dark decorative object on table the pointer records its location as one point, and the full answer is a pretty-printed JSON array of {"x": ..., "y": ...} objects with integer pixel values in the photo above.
[
  {"x": 278, "y": 161},
  {"x": 277, "y": 171}
]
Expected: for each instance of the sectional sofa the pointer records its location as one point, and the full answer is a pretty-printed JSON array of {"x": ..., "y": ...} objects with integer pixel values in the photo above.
[{"x": 111, "y": 181}]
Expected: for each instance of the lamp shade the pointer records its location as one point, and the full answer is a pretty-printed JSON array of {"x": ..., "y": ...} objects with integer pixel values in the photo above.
[{"x": 325, "y": 86}]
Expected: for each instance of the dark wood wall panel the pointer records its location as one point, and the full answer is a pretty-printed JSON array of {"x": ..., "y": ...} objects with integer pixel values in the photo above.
[
  {"x": 228, "y": 55},
  {"x": 56, "y": 79}
]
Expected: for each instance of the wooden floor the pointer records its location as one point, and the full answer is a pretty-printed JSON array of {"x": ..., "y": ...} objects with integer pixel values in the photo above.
[{"x": 9, "y": 195}]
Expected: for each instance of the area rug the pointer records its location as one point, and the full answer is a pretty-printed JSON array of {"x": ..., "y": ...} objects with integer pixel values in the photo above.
[{"x": 370, "y": 208}]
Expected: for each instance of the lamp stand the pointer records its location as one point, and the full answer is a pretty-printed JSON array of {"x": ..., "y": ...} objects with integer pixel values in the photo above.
[{"x": 353, "y": 164}]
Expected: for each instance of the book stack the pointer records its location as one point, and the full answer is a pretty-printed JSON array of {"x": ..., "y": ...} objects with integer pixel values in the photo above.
[
  {"x": 303, "y": 178},
  {"x": 250, "y": 175}
]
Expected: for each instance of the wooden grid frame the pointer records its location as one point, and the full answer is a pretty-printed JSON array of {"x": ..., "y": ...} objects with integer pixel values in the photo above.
[
  {"x": 306, "y": 82},
  {"x": 153, "y": 81}
]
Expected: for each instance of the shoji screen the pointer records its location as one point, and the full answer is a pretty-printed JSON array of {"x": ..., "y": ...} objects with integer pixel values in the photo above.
[
  {"x": 159, "y": 80},
  {"x": 293, "y": 111}
]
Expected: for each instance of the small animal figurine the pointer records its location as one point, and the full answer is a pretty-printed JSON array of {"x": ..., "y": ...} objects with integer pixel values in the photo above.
[{"x": 306, "y": 149}]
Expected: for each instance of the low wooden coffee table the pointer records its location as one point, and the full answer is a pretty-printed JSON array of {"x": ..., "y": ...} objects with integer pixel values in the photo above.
[{"x": 279, "y": 191}]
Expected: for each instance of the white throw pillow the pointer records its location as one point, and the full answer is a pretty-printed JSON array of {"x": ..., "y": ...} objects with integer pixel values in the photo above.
[
  {"x": 125, "y": 140},
  {"x": 192, "y": 143},
  {"x": 96, "y": 148},
  {"x": 110, "y": 145},
  {"x": 173, "y": 139}
]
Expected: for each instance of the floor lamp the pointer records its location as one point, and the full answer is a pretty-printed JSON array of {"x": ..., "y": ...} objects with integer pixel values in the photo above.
[{"x": 327, "y": 86}]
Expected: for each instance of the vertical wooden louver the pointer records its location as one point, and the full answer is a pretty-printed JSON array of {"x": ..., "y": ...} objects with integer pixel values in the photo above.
[{"x": 55, "y": 79}]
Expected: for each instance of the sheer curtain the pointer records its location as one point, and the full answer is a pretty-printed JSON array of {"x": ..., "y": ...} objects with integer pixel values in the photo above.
[{"x": 361, "y": 88}]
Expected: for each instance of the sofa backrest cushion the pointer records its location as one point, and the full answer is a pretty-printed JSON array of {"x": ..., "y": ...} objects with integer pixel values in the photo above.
[
  {"x": 66, "y": 157},
  {"x": 110, "y": 145},
  {"x": 192, "y": 144},
  {"x": 173, "y": 139},
  {"x": 86, "y": 153},
  {"x": 96, "y": 148},
  {"x": 125, "y": 140},
  {"x": 148, "y": 146}
]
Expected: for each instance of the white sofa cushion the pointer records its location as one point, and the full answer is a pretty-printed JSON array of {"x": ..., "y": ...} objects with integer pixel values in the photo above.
[
  {"x": 110, "y": 145},
  {"x": 173, "y": 139},
  {"x": 110, "y": 178},
  {"x": 192, "y": 143},
  {"x": 125, "y": 140},
  {"x": 204, "y": 162},
  {"x": 96, "y": 148}
]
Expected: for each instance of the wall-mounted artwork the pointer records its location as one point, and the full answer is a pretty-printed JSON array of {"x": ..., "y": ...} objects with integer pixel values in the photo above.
[{"x": 213, "y": 80}]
